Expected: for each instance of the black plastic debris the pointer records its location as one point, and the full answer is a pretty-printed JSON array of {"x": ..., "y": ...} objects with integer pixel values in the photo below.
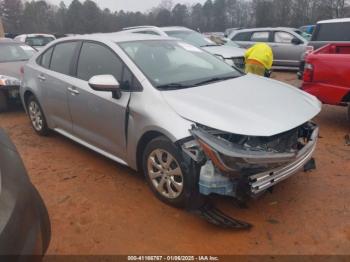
[
  {"x": 311, "y": 165},
  {"x": 214, "y": 216}
]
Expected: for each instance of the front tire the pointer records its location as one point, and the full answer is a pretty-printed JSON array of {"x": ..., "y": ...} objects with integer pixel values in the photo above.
[
  {"x": 171, "y": 178},
  {"x": 37, "y": 117}
]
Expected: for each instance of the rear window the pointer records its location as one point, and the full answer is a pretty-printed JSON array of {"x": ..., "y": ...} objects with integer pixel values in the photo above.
[
  {"x": 242, "y": 36},
  {"x": 39, "y": 40},
  {"x": 332, "y": 32}
]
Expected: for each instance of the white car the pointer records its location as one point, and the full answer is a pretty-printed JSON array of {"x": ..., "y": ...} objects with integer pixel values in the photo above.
[
  {"x": 230, "y": 54},
  {"x": 37, "y": 41}
]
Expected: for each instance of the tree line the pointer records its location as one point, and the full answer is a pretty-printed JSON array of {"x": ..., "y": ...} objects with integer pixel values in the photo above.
[{"x": 82, "y": 17}]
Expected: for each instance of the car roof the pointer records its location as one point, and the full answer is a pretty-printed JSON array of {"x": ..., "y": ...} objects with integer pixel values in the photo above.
[
  {"x": 338, "y": 20},
  {"x": 117, "y": 37},
  {"x": 175, "y": 28},
  {"x": 266, "y": 29}
]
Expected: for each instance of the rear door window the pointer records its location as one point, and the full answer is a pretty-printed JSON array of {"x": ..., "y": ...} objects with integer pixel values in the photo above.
[
  {"x": 332, "y": 32},
  {"x": 260, "y": 36},
  {"x": 62, "y": 57},
  {"x": 283, "y": 37}
]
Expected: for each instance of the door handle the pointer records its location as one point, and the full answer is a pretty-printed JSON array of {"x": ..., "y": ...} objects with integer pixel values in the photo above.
[
  {"x": 73, "y": 91},
  {"x": 41, "y": 78}
]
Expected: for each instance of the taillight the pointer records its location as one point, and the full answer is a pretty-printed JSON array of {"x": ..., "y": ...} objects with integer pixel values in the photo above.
[
  {"x": 22, "y": 70},
  {"x": 308, "y": 72}
]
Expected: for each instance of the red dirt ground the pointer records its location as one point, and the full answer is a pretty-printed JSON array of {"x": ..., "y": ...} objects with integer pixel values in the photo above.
[{"x": 100, "y": 207}]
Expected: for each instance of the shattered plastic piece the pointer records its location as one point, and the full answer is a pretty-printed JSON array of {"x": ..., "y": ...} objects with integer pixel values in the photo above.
[
  {"x": 214, "y": 216},
  {"x": 311, "y": 165}
]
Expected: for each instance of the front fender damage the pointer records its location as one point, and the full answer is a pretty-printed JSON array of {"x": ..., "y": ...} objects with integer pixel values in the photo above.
[{"x": 242, "y": 167}]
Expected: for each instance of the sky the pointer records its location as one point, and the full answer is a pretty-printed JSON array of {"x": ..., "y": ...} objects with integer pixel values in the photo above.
[{"x": 129, "y": 5}]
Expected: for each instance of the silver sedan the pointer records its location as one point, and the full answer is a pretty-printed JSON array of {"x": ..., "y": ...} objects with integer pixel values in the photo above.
[{"x": 193, "y": 124}]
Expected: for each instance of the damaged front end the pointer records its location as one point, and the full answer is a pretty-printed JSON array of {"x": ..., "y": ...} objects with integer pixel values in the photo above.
[{"x": 241, "y": 166}]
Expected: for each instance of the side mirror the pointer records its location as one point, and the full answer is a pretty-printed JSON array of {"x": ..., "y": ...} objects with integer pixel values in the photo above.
[
  {"x": 296, "y": 41},
  {"x": 105, "y": 83}
]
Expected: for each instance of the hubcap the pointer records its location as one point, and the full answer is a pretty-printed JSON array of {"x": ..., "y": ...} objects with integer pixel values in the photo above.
[
  {"x": 35, "y": 115},
  {"x": 165, "y": 173}
]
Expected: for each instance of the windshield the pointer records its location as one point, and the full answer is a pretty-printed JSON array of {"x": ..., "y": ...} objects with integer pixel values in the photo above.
[
  {"x": 15, "y": 52},
  {"x": 191, "y": 37},
  {"x": 39, "y": 40},
  {"x": 174, "y": 65}
]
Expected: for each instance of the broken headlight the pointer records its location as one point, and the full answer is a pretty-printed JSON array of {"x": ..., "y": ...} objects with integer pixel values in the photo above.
[{"x": 236, "y": 153}]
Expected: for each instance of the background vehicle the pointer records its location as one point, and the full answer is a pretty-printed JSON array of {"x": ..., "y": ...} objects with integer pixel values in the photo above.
[
  {"x": 287, "y": 45},
  {"x": 37, "y": 41},
  {"x": 327, "y": 32},
  {"x": 13, "y": 56},
  {"x": 218, "y": 34},
  {"x": 193, "y": 124},
  {"x": 229, "y": 31},
  {"x": 306, "y": 31},
  {"x": 327, "y": 74},
  {"x": 231, "y": 54},
  {"x": 24, "y": 221}
]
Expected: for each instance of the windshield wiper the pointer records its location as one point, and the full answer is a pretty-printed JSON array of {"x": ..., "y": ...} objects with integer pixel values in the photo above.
[
  {"x": 173, "y": 86},
  {"x": 214, "y": 79}
]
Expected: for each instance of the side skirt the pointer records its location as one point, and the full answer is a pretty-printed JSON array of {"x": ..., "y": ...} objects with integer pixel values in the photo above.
[{"x": 93, "y": 148}]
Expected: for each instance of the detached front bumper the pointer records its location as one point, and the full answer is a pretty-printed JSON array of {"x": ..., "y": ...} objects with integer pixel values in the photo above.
[
  {"x": 231, "y": 170},
  {"x": 262, "y": 181}
]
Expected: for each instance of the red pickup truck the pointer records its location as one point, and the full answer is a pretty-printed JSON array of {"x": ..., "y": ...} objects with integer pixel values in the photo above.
[{"x": 327, "y": 74}]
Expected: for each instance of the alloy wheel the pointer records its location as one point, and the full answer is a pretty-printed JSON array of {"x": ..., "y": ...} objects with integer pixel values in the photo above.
[
  {"x": 165, "y": 173},
  {"x": 35, "y": 115}
]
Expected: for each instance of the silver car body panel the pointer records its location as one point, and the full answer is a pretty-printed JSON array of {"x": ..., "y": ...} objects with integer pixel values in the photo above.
[
  {"x": 239, "y": 106},
  {"x": 247, "y": 105}
]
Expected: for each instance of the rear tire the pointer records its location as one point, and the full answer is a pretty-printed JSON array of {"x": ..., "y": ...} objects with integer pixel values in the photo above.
[
  {"x": 173, "y": 179},
  {"x": 37, "y": 117},
  {"x": 349, "y": 112},
  {"x": 3, "y": 102}
]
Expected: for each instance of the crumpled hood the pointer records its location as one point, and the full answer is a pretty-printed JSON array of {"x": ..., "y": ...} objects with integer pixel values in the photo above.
[
  {"x": 248, "y": 105},
  {"x": 225, "y": 51},
  {"x": 12, "y": 69}
]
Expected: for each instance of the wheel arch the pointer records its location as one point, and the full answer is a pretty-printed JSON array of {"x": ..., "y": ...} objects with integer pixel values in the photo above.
[{"x": 143, "y": 142}]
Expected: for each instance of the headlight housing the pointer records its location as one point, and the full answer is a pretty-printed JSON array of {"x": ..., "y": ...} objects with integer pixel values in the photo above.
[{"x": 9, "y": 81}]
